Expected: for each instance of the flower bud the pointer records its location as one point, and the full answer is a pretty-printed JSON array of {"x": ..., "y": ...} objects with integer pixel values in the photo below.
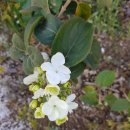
[
  {"x": 34, "y": 88},
  {"x": 31, "y": 87},
  {"x": 41, "y": 105},
  {"x": 63, "y": 98},
  {"x": 40, "y": 99},
  {"x": 68, "y": 92},
  {"x": 40, "y": 70},
  {"x": 67, "y": 85},
  {"x": 38, "y": 113},
  {"x": 33, "y": 104},
  {"x": 52, "y": 89},
  {"x": 61, "y": 121}
]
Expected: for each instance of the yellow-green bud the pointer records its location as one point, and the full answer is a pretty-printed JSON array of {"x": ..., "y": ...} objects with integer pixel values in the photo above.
[
  {"x": 63, "y": 98},
  {"x": 52, "y": 89},
  {"x": 68, "y": 92},
  {"x": 34, "y": 87},
  {"x": 41, "y": 105},
  {"x": 31, "y": 87},
  {"x": 33, "y": 104},
  {"x": 40, "y": 99},
  {"x": 67, "y": 85},
  {"x": 38, "y": 113},
  {"x": 61, "y": 121},
  {"x": 40, "y": 70}
]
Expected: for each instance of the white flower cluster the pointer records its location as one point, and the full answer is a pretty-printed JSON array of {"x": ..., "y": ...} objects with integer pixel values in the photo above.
[{"x": 51, "y": 87}]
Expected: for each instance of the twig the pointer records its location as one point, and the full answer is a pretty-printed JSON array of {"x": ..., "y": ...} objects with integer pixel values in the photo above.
[
  {"x": 126, "y": 97},
  {"x": 89, "y": 83},
  {"x": 63, "y": 9}
]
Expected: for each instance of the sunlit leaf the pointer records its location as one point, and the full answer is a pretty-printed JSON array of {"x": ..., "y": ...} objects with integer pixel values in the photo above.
[
  {"x": 105, "y": 78},
  {"x": 83, "y": 10}
]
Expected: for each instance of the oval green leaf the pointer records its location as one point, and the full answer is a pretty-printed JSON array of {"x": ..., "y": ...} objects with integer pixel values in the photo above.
[
  {"x": 77, "y": 70},
  {"x": 93, "y": 58},
  {"x": 55, "y": 5},
  {"x": 30, "y": 27},
  {"x": 83, "y": 10},
  {"x": 74, "y": 40},
  {"x": 46, "y": 30},
  {"x": 28, "y": 66},
  {"x": 105, "y": 78},
  {"x": 120, "y": 105}
]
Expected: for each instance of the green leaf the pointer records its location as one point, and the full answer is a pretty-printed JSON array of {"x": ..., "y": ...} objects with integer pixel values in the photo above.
[
  {"x": 29, "y": 10},
  {"x": 30, "y": 27},
  {"x": 129, "y": 95},
  {"x": 71, "y": 8},
  {"x": 74, "y": 40},
  {"x": 15, "y": 53},
  {"x": 55, "y": 5},
  {"x": 77, "y": 70},
  {"x": 18, "y": 42},
  {"x": 33, "y": 59},
  {"x": 93, "y": 58},
  {"x": 110, "y": 99},
  {"x": 90, "y": 98},
  {"x": 120, "y": 105},
  {"x": 105, "y": 78},
  {"x": 28, "y": 66},
  {"x": 89, "y": 88},
  {"x": 83, "y": 10},
  {"x": 129, "y": 112},
  {"x": 46, "y": 30},
  {"x": 35, "y": 56},
  {"x": 42, "y": 4}
]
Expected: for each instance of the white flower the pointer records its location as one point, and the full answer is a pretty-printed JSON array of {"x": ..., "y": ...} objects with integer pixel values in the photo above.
[
  {"x": 31, "y": 78},
  {"x": 56, "y": 71},
  {"x": 72, "y": 105},
  {"x": 45, "y": 56},
  {"x": 39, "y": 93},
  {"x": 55, "y": 108}
]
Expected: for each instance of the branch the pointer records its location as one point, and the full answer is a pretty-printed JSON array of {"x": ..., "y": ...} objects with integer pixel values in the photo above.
[{"x": 63, "y": 9}]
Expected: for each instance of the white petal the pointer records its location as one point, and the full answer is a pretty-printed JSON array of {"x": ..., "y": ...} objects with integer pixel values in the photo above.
[
  {"x": 63, "y": 69},
  {"x": 39, "y": 93},
  {"x": 45, "y": 56},
  {"x": 70, "y": 98},
  {"x": 30, "y": 79},
  {"x": 61, "y": 104},
  {"x": 47, "y": 66},
  {"x": 62, "y": 113},
  {"x": 54, "y": 115},
  {"x": 58, "y": 59},
  {"x": 64, "y": 77},
  {"x": 47, "y": 108},
  {"x": 53, "y": 99},
  {"x": 72, "y": 106},
  {"x": 52, "y": 77}
]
